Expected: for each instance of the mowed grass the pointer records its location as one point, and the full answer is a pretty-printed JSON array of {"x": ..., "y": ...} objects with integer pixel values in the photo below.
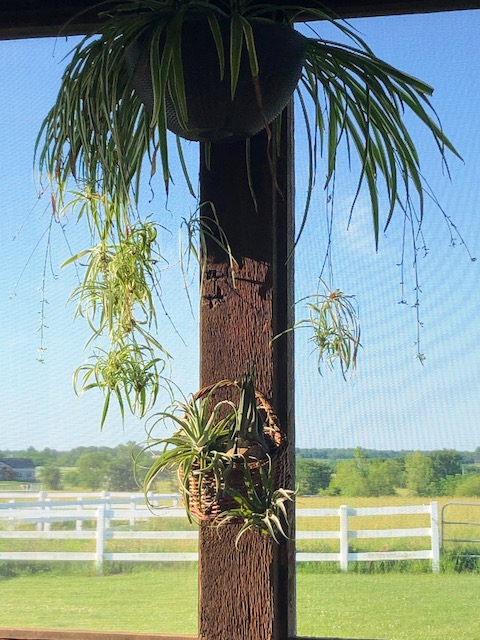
[
  {"x": 414, "y": 605},
  {"x": 152, "y": 601},
  {"x": 389, "y": 606},
  {"x": 380, "y": 607}
]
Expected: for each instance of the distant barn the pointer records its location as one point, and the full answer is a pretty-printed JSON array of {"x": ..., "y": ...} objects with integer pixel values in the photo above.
[{"x": 20, "y": 469}]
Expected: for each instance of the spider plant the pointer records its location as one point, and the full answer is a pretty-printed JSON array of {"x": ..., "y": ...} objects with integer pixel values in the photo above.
[
  {"x": 196, "y": 448},
  {"x": 99, "y": 135},
  {"x": 130, "y": 373},
  {"x": 261, "y": 507},
  {"x": 334, "y": 324},
  {"x": 116, "y": 299},
  {"x": 333, "y": 319}
]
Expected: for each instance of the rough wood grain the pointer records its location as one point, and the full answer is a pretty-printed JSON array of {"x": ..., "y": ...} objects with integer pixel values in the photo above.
[
  {"x": 248, "y": 592},
  {"x": 33, "y": 18}
]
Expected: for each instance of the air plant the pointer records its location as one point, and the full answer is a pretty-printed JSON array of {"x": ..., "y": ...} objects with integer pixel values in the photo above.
[
  {"x": 260, "y": 507},
  {"x": 197, "y": 447}
]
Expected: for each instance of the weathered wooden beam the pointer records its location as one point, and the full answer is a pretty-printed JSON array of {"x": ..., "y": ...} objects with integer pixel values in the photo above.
[
  {"x": 37, "y": 18},
  {"x": 247, "y": 592}
]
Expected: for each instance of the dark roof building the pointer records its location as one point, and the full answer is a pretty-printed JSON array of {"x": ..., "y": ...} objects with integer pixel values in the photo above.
[{"x": 21, "y": 469}]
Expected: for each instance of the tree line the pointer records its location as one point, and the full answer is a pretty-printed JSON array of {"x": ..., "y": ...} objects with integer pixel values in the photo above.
[
  {"x": 433, "y": 473},
  {"x": 347, "y": 472}
]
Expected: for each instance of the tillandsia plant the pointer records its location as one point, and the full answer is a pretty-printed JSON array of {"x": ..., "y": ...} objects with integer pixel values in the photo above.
[
  {"x": 222, "y": 451},
  {"x": 260, "y": 507},
  {"x": 248, "y": 438},
  {"x": 196, "y": 448},
  {"x": 127, "y": 85}
]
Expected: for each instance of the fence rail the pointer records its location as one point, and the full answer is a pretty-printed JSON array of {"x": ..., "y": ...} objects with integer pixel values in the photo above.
[{"x": 94, "y": 515}]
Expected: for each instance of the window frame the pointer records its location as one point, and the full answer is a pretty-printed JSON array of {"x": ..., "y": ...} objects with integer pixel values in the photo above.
[{"x": 48, "y": 19}]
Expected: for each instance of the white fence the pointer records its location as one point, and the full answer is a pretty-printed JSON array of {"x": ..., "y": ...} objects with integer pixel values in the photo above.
[
  {"x": 93, "y": 515},
  {"x": 344, "y": 535}
]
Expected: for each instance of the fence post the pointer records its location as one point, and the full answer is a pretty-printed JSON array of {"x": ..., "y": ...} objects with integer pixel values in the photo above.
[
  {"x": 11, "y": 518},
  {"x": 435, "y": 537},
  {"x": 100, "y": 539},
  {"x": 343, "y": 513},
  {"x": 79, "y": 523},
  {"x": 108, "y": 505},
  {"x": 41, "y": 498},
  {"x": 133, "y": 506},
  {"x": 46, "y": 524}
]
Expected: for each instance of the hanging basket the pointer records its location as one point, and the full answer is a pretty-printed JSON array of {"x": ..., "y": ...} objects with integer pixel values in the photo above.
[
  {"x": 205, "y": 501},
  {"x": 212, "y": 114}
]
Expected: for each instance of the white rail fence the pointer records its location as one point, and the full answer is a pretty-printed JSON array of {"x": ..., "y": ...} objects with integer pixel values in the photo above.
[{"x": 94, "y": 514}]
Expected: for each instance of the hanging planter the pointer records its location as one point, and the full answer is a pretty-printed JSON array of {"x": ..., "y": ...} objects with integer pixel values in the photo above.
[
  {"x": 179, "y": 65},
  {"x": 230, "y": 458},
  {"x": 213, "y": 113},
  {"x": 212, "y": 71},
  {"x": 243, "y": 458}
]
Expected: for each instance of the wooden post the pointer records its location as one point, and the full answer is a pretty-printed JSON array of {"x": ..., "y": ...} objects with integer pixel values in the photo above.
[
  {"x": 343, "y": 512},
  {"x": 100, "y": 540},
  {"x": 435, "y": 537},
  {"x": 248, "y": 593}
]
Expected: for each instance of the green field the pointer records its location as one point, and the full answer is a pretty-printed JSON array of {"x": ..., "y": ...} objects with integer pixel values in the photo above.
[
  {"x": 384, "y": 601},
  {"x": 387, "y": 607}
]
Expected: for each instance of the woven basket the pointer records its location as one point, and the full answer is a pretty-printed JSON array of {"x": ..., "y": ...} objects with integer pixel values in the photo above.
[{"x": 205, "y": 502}]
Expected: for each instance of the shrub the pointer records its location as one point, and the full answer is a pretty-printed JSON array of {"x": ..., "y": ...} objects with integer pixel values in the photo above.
[{"x": 468, "y": 486}]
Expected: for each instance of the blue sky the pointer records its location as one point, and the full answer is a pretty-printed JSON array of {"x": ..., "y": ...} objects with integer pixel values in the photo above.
[{"x": 391, "y": 401}]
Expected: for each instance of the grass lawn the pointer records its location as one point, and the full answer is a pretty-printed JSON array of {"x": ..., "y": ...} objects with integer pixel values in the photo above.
[
  {"x": 143, "y": 601},
  {"x": 381, "y": 607},
  {"x": 392, "y": 606}
]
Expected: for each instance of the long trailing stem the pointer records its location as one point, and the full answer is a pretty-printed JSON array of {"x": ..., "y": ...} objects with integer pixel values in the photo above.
[{"x": 99, "y": 139}]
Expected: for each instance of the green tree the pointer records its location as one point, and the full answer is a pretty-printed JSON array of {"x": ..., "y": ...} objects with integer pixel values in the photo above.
[
  {"x": 349, "y": 479},
  {"x": 364, "y": 477},
  {"x": 51, "y": 477},
  {"x": 121, "y": 472},
  {"x": 384, "y": 476},
  {"x": 446, "y": 462},
  {"x": 312, "y": 475},
  {"x": 70, "y": 478},
  {"x": 93, "y": 470},
  {"x": 419, "y": 473},
  {"x": 468, "y": 486}
]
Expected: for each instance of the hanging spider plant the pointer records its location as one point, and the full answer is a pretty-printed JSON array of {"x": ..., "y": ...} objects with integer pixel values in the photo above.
[
  {"x": 108, "y": 121},
  {"x": 99, "y": 132},
  {"x": 334, "y": 323},
  {"x": 130, "y": 373}
]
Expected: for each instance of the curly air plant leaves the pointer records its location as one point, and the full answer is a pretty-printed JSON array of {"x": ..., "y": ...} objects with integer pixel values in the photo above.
[
  {"x": 248, "y": 434},
  {"x": 261, "y": 507},
  {"x": 197, "y": 447}
]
